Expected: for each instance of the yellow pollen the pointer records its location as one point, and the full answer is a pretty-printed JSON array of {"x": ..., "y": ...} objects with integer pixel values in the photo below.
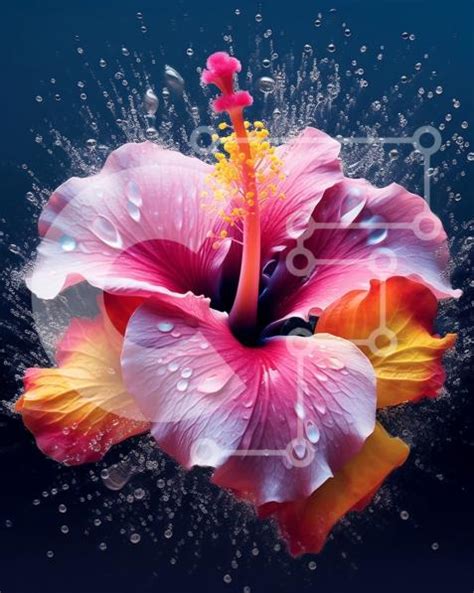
[{"x": 226, "y": 196}]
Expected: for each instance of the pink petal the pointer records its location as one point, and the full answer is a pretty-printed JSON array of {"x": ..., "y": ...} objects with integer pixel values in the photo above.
[
  {"x": 136, "y": 227},
  {"x": 311, "y": 165},
  {"x": 276, "y": 420},
  {"x": 360, "y": 232}
]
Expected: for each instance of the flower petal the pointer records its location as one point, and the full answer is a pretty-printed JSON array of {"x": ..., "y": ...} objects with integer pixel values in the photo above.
[
  {"x": 77, "y": 411},
  {"x": 135, "y": 228},
  {"x": 311, "y": 165},
  {"x": 392, "y": 323},
  {"x": 276, "y": 420},
  {"x": 119, "y": 309},
  {"x": 359, "y": 232},
  {"x": 306, "y": 524}
]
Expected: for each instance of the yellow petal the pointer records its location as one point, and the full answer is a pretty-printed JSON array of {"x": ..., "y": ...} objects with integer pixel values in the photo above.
[
  {"x": 77, "y": 411},
  {"x": 306, "y": 524},
  {"x": 392, "y": 323}
]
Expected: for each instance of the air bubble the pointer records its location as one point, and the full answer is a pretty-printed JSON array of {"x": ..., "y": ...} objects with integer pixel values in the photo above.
[
  {"x": 150, "y": 102},
  {"x": 266, "y": 84},
  {"x": 135, "y": 538},
  {"x": 174, "y": 79}
]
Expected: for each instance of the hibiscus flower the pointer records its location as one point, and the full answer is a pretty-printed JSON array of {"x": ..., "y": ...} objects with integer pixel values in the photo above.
[{"x": 254, "y": 314}]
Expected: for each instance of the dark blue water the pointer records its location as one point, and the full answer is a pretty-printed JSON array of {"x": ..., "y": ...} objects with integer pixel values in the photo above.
[{"x": 37, "y": 43}]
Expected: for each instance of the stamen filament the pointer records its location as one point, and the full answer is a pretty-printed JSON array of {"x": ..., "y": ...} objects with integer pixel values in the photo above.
[{"x": 243, "y": 315}]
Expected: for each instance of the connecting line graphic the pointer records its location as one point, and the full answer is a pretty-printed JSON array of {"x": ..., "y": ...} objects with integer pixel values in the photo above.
[
  {"x": 415, "y": 140},
  {"x": 300, "y": 451}
]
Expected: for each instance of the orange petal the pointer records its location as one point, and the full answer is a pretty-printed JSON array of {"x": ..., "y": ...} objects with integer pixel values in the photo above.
[
  {"x": 306, "y": 524},
  {"x": 392, "y": 323},
  {"x": 77, "y": 411}
]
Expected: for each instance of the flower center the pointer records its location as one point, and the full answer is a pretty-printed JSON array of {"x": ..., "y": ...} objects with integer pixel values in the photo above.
[{"x": 243, "y": 178}]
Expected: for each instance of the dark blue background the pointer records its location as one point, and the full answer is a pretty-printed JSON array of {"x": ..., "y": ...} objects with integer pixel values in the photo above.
[{"x": 34, "y": 37}]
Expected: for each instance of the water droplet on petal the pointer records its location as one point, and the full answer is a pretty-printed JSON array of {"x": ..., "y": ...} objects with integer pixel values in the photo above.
[
  {"x": 133, "y": 193},
  {"x": 335, "y": 363},
  {"x": 133, "y": 211},
  {"x": 182, "y": 385},
  {"x": 214, "y": 383},
  {"x": 165, "y": 326},
  {"x": 186, "y": 373},
  {"x": 312, "y": 432},
  {"x": 106, "y": 231},
  {"x": 300, "y": 448},
  {"x": 377, "y": 234},
  {"x": 353, "y": 205},
  {"x": 67, "y": 243},
  {"x": 299, "y": 409}
]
